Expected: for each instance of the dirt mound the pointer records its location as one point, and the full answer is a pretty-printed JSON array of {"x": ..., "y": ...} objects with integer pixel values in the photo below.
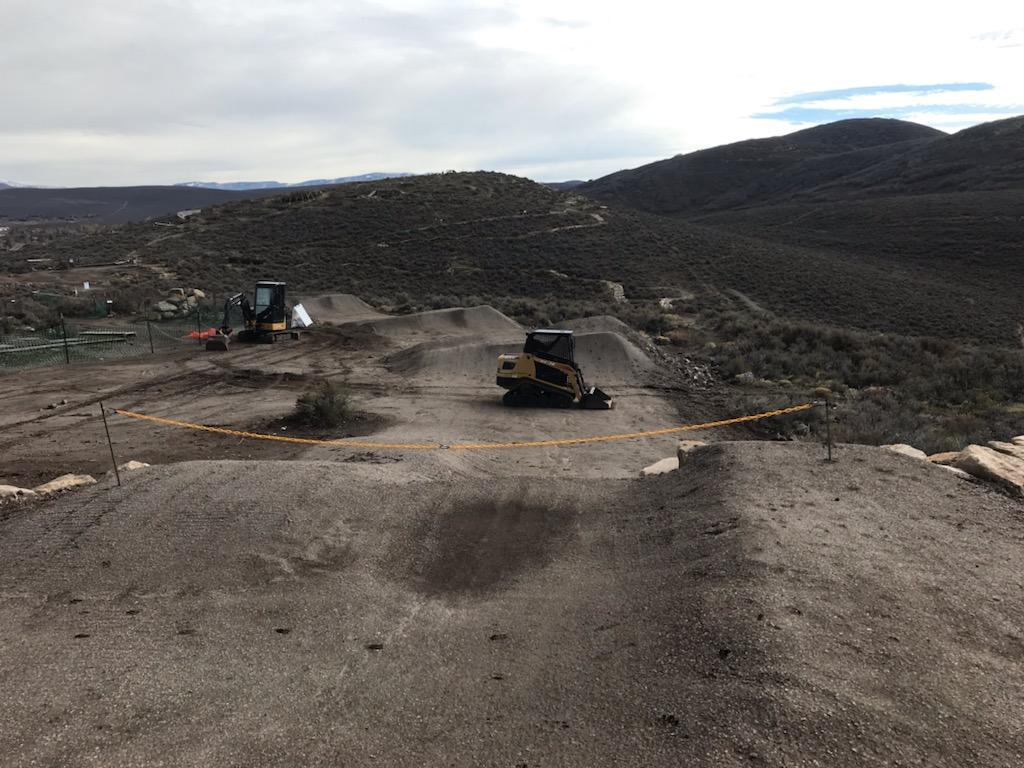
[
  {"x": 604, "y": 357},
  {"x": 483, "y": 320},
  {"x": 339, "y": 308},
  {"x": 761, "y": 591},
  {"x": 595, "y": 324}
]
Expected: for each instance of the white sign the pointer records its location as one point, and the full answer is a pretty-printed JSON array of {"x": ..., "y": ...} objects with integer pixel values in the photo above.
[{"x": 300, "y": 317}]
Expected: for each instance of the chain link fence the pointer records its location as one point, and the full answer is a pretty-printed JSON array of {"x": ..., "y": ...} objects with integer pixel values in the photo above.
[{"x": 77, "y": 341}]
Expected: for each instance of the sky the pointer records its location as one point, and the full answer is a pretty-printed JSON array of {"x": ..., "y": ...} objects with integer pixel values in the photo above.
[{"x": 118, "y": 92}]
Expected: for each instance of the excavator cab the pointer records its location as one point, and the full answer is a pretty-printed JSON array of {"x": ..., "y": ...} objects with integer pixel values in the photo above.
[
  {"x": 546, "y": 374},
  {"x": 269, "y": 308}
]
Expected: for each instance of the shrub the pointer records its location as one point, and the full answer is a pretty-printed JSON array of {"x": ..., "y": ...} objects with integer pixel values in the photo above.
[{"x": 325, "y": 405}]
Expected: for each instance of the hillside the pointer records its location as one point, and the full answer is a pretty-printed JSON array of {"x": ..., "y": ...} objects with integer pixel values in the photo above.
[
  {"x": 107, "y": 205},
  {"x": 753, "y": 171},
  {"x": 240, "y": 186},
  {"x": 486, "y": 237}
]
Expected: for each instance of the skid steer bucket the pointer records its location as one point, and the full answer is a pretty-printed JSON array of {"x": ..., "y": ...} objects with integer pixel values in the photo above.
[{"x": 595, "y": 400}]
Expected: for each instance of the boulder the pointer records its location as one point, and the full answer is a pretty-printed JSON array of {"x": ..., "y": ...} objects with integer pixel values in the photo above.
[
  {"x": 671, "y": 464},
  {"x": 987, "y": 464},
  {"x": 164, "y": 306},
  {"x": 64, "y": 482},
  {"x": 945, "y": 457},
  {"x": 1010, "y": 449},
  {"x": 14, "y": 492},
  {"x": 177, "y": 292},
  {"x": 958, "y": 472},
  {"x": 907, "y": 450},
  {"x": 747, "y": 377},
  {"x": 191, "y": 301},
  {"x": 684, "y": 447},
  {"x": 1018, "y": 440},
  {"x": 198, "y": 294},
  {"x": 175, "y": 300},
  {"x": 130, "y": 466}
]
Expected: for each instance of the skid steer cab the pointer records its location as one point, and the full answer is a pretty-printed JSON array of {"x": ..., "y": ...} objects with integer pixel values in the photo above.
[
  {"x": 545, "y": 374},
  {"x": 267, "y": 319}
]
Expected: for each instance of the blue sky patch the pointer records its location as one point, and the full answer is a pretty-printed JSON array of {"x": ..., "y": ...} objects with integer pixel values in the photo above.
[{"x": 874, "y": 90}]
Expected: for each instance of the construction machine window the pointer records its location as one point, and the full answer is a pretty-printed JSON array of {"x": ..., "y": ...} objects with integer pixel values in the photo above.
[
  {"x": 557, "y": 346},
  {"x": 264, "y": 297}
]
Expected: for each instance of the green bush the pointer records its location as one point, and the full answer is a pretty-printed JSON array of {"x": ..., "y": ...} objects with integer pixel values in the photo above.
[{"x": 325, "y": 405}]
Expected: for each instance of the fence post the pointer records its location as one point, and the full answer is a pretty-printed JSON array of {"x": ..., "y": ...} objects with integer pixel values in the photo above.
[
  {"x": 110, "y": 443},
  {"x": 828, "y": 424},
  {"x": 64, "y": 332},
  {"x": 149, "y": 330}
]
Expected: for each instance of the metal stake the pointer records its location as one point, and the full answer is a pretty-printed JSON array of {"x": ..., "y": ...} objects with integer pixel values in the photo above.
[
  {"x": 149, "y": 330},
  {"x": 103, "y": 413},
  {"x": 828, "y": 425},
  {"x": 64, "y": 332}
]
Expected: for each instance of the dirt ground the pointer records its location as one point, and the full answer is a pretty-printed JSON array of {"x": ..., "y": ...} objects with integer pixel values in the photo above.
[{"x": 506, "y": 608}]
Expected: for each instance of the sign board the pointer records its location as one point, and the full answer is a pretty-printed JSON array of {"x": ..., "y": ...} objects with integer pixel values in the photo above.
[{"x": 300, "y": 317}]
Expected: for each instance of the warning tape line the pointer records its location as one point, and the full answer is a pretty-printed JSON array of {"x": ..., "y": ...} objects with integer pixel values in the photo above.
[{"x": 468, "y": 446}]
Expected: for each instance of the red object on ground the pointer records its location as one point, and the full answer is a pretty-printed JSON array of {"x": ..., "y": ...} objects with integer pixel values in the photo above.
[{"x": 203, "y": 334}]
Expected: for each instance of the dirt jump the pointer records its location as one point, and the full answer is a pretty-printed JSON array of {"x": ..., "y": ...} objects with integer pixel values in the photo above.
[{"x": 246, "y": 602}]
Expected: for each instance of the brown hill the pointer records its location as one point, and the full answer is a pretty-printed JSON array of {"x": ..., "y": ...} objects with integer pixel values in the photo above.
[{"x": 760, "y": 169}]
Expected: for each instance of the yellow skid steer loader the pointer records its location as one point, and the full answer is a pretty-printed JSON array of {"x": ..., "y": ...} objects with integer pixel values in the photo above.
[{"x": 545, "y": 374}]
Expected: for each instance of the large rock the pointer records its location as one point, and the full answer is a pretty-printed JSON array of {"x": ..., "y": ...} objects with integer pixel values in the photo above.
[
  {"x": 165, "y": 306},
  {"x": 1010, "y": 449},
  {"x": 63, "y": 483},
  {"x": 958, "y": 472},
  {"x": 198, "y": 294},
  {"x": 671, "y": 464},
  {"x": 991, "y": 465},
  {"x": 1018, "y": 440},
  {"x": 943, "y": 458},
  {"x": 684, "y": 447},
  {"x": 14, "y": 492},
  {"x": 907, "y": 450},
  {"x": 132, "y": 465}
]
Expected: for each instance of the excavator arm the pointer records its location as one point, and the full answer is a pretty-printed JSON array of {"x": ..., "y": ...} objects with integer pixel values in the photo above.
[{"x": 248, "y": 315}]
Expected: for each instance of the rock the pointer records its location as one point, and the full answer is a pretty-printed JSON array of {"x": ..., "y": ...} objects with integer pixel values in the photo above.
[
  {"x": 175, "y": 300},
  {"x": 178, "y": 292},
  {"x": 747, "y": 377},
  {"x": 132, "y": 465},
  {"x": 684, "y": 447},
  {"x": 661, "y": 341},
  {"x": 958, "y": 472},
  {"x": 907, "y": 450},
  {"x": 14, "y": 492},
  {"x": 1019, "y": 440},
  {"x": 991, "y": 465},
  {"x": 191, "y": 301},
  {"x": 163, "y": 307},
  {"x": 945, "y": 457},
  {"x": 1010, "y": 449},
  {"x": 168, "y": 315},
  {"x": 64, "y": 482},
  {"x": 198, "y": 294},
  {"x": 671, "y": 464}
]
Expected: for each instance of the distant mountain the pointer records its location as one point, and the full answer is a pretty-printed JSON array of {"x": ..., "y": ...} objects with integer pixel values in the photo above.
[
  {"x": 563, "y": 185},
  {"x": 108, "y": 205},
  {"x": 248, "y": 185},
  {"x": 759, "y": 170}
]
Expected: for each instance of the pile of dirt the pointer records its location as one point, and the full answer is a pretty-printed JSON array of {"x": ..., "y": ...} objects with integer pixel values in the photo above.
[
  {"x": 603, "y": 356},
  {"x": 759, "y": 605},
  {"x": 339, "y": 308},
  {"x": 483, "y": 320}
]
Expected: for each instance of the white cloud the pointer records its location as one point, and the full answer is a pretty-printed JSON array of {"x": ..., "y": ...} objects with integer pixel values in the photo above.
[{"x": 111, "y": 91}]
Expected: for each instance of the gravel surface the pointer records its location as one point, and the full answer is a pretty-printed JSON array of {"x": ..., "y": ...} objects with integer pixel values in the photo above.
[{"x": 757, "y": 607}]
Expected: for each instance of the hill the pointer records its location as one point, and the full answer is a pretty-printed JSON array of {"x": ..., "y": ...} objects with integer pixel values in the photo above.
[
  {"x": 752, "y": 171},
  {"x": 106, "y": 205},
  {"x": 472, "y": 238}
]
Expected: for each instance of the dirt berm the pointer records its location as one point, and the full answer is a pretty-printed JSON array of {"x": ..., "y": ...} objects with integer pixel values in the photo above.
[
  {"x": 339, "y": 308},
  {"x": 460, "y": 321},
  {"x": 758, "y": 607},
  {"x": 604, "y": 357}
]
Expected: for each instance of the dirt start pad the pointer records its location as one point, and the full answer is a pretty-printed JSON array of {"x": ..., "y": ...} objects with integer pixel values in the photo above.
[{"x": 470, "y": 446}]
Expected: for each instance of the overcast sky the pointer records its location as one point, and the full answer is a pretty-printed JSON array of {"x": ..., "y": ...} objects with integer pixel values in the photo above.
[{"x": 98, "y": 92}]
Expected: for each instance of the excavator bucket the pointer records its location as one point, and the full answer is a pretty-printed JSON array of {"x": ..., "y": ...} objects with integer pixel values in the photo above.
[
  {"x": 596, "y": 400},
  {"x": 218, "y": 342}
]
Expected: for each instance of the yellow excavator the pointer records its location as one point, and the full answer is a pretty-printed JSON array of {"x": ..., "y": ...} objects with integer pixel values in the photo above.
[
  {"x": 266, "y": 319},
  {"x": 545, "y": 374}
]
